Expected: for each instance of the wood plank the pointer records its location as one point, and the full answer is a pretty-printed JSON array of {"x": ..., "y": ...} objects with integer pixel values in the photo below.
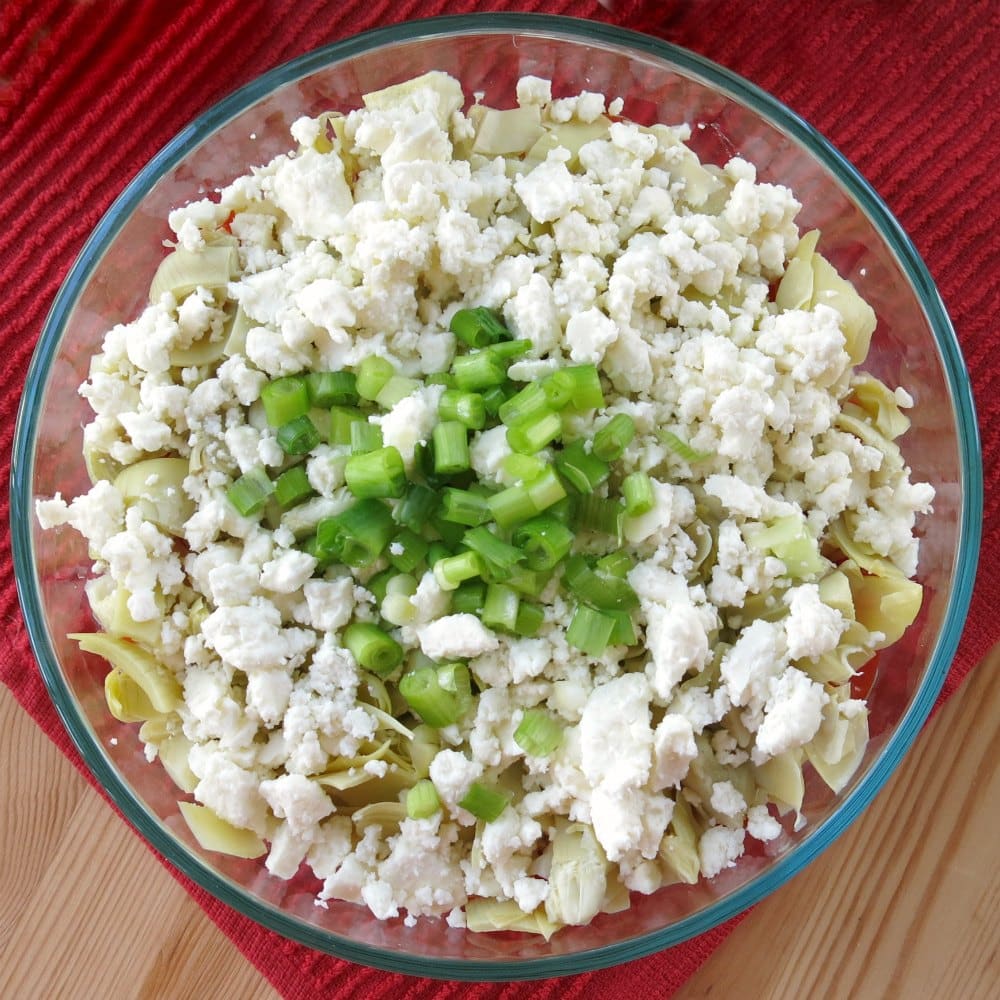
[{"x": 905, "y": 904}]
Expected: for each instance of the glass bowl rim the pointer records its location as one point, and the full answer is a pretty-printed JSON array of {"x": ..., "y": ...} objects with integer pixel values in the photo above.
[{"x": 570, "y": 29}]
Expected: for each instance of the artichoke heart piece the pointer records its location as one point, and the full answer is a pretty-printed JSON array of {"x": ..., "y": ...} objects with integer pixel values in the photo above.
[
  {"x": 402, "y": 95},
  {"x": 159, "y": 685},
  {"x": 781, "y": 778},
  {"x": 679, "y": 847},
  {"x": 182, "y": 271},
  {"x": 506, "y": 915},
  {"x": 119, "y": 621},
  {"x": 505, "y": 133},
  {"x": 127, "y": 701},
  {"x": 857, "y": 316},
  {"x": 571, "y": 136},
  {"x": 157, "y": 486},
  {"x": 383, "y": 814},
  {"x": 174, "y": 752},
  {"x": 578, "y": 877},
  {"x": 214, "y": 834},
  {"x": 881, "y": 405},
  {"x": 885, "y": 601},
  {"x": 795, "y": 290},
  {"x": 838, "y": 748}
]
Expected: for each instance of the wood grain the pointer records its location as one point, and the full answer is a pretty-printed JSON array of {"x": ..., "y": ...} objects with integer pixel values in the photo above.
[{"x": 906, "y": 904}]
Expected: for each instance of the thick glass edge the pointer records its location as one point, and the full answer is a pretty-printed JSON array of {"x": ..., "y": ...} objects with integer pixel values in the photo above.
[{"x": 970, "y": 532}]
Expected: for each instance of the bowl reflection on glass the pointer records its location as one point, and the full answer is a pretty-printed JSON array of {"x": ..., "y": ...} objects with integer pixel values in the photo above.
[{"x": 914, "y": 345}]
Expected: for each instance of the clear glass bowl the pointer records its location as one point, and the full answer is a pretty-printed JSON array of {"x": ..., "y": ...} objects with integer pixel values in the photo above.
[{"x": 914, "y": 345}]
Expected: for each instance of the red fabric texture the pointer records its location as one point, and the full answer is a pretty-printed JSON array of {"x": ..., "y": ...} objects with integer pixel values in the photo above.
[{"x": 89, "y": 91}]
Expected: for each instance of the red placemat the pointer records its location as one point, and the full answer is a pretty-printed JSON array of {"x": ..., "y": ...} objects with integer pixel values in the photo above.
[{"x": 91, "y": 89}]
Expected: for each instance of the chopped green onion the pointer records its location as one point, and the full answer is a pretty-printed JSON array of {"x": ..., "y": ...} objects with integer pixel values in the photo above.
[
  {"x": 483, "y": 802},
  {"x": 637, "y": 489},
  {"x": 365, "y": 437},
  {"x": 450, "y": 441},
  {"x": 493, "y": 398},
  {"x": 401, "y": 583},
  {"x": 523, "y": 467},
  {"x": 425, "y": 693},
  {"x": 378, "y": 473},
  {"x": 479, "y": 371},
  {"x": 613, "y": 438},
  {"x": 602, "y": 590},
  {"x": 298, "y": 437},
  {"x": 437, "y": 552},
  {"x": 538, "y": 734},
  {"x": 533, "y": 433},
  {"x": 511, "y": 506},
  {"x": 545, "y": 489},
  {"x": 506, "y": 350},
  {"x": 328, "y": 389},
  {"x": 680, "y": 447},
  {"x": 456, "y": 678},
  {"x": 524, "y": 405},
  {"x": 285, "y": 399},
  {"x": 579, "y": 384},
  {"x": 398, "y": 609},
  {"x": 292, "y": 487},
  {"x": 464, "y": 507},
  {"x": 450, "y": 531},
  {"x": 359, "y": 534},
  {"x": 416, "y": 507},
  {"x": 342, "y": 419},
  {"x": 563, "y": 510},
  {"x": 378, "y": 585},
  {"x": 528, "y": 581},
  {"x": 469, "y": 597},
  {"x": 250, "y": 492},
  {"x": 557, "y": 391},
  {"x": 478, "y": 327},
  {"x": 323, "y": 555},
  {"x": 372, "y": 648},
  {"x": 544, "y": 540},
  {"x": 453, "y": 570},
  {"x": 422, "y": 800},
  {"x": 529, "y": 619},
  {"x": 321, "y": 421},
  {"x": 600, "y": 514},
  {"x": 440, "y": 378},
  {"x": 407, "y": 550},
  {"x": 397, "y": 387},
  {"x": 618, "y": 563},
  {"x": 498, "y": 557},
  {"x": 465, "y": 407},
  {"x": 373, "y": 373},
  {"x": 623, "y": 633},
  {"x": 590, "y": 630},
  {"x": 582, "y": 470}
]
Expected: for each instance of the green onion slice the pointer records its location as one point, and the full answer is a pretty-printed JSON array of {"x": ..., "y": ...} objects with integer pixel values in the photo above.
[
  {"x": 483, "y": 802},
  {"x": 373, "y": 649},
  {"x": 298, "y": 437},
  {"x": 284, "y": 399},
  {"x": 422, "y": 800},
  {"x": 378, "y": 473},
  {"x": 249, "y": 494},
  {"x": 538, "y": 733}
]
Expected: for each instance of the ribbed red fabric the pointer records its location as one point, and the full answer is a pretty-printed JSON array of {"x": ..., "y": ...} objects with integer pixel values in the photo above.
[{"x": 89, "y": 91}]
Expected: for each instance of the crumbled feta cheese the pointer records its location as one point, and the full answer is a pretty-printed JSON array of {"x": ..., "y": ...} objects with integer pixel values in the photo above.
[{"x": 456, "y": 636}]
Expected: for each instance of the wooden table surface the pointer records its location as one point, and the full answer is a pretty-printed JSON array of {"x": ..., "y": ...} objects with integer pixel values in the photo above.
[{"x": 906, "y": 904}]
